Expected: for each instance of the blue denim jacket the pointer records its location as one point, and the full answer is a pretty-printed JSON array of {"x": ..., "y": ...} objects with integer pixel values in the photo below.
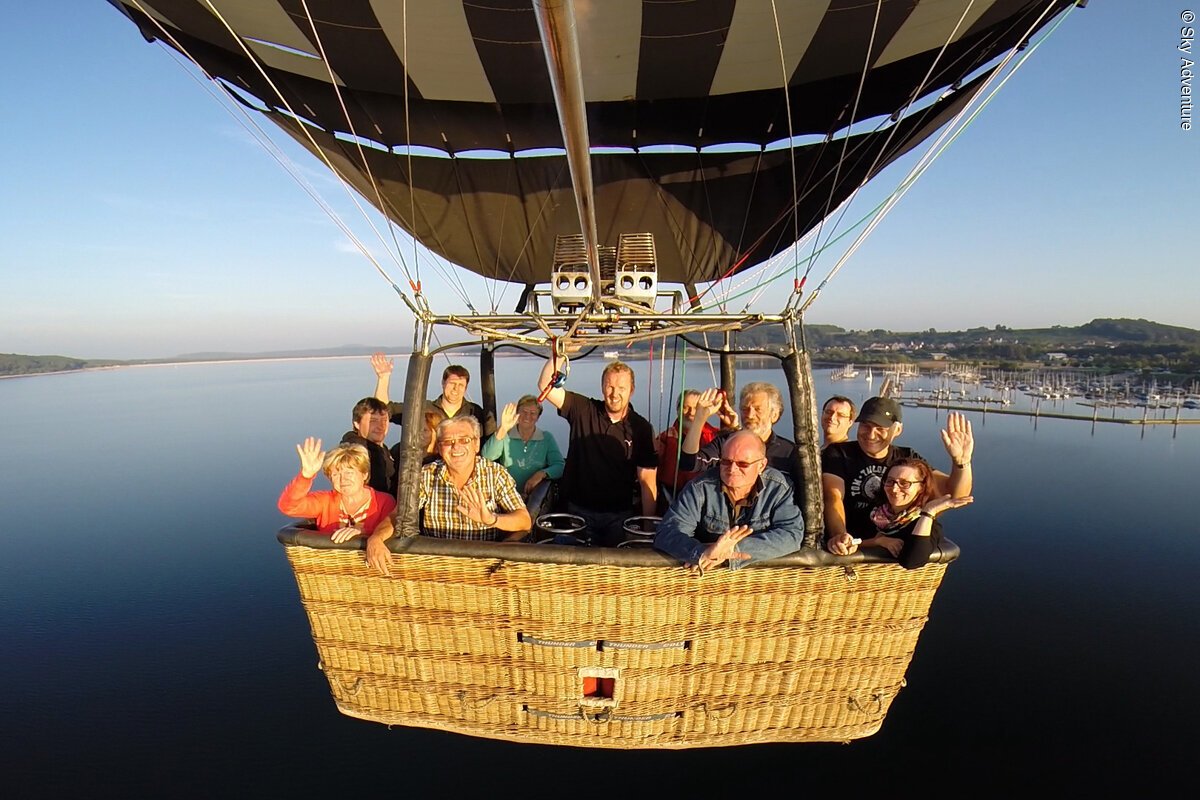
[{"x": 701, "y": 513}]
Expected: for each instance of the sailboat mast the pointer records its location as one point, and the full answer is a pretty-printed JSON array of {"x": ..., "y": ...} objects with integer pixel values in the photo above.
[{"x": 557, "y": 25}]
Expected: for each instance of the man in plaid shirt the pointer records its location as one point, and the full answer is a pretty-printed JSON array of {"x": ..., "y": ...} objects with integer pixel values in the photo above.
[{"x": 463, "y": 496}]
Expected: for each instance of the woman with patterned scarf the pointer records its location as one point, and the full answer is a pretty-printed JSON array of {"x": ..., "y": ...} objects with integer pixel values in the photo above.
[{"x": 906, "y": 521}]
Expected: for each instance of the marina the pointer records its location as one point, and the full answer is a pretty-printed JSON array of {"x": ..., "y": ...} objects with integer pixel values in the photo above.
[{"x": 1049, "y": 394}]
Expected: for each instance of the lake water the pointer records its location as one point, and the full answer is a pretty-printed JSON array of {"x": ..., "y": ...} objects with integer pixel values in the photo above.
[{"x": 152, "y": 641}]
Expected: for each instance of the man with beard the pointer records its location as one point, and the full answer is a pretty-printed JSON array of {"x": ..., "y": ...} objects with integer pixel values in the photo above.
[
  {"x": 761, "y": 407},
  {"x": 852, "y": 471},
  {"x": 610, "y": 454}
]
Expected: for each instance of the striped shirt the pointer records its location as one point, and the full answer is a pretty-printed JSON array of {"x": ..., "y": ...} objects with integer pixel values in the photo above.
[{"x": 439, "y": 500}]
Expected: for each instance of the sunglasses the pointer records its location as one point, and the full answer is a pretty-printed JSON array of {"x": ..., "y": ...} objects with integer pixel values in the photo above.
[
  {"x": 726, "y": 463},
  {"x": 456, "y": 440}
]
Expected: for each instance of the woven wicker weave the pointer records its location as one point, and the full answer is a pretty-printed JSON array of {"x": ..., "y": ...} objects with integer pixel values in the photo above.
[{"x": 501, "y": 648}]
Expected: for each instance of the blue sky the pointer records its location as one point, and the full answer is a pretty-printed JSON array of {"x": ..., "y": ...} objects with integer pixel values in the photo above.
[{"x": 139, "y": 220}]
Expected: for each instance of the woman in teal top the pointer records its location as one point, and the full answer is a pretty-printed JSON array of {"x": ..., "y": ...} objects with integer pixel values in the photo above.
[{"x": 531, "y": 456}]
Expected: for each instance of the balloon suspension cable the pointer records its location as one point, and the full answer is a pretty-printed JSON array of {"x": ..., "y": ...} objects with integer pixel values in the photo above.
[
  {"x": 260, "y": 136},
  {"x": 333, "y": 82},
  {"x": 303, "y": 128},
  {"x": 787, "y": 104},
  {"x": 862, "y": 80},
  {"x": 649, "y": 386},
  {"x": 412, "y": 197},
  {"x": 820, "y": 248},
  {"x": 325, "y": 159},
  {"x": 947, "y": 137},
  {"x": 662, "y": 373},
  {"x": 893, "y": 121}
]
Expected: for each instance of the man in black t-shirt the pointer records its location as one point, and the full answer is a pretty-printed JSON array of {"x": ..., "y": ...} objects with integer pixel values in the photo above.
[
  {"x": 852, "y": 471},
  {"x": 450, "y": 404},
  {"x": 610, "y": 456}
]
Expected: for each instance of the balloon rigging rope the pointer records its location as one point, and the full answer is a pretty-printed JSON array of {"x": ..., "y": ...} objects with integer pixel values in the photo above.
[
  {"x": 412, "y": 197},
  {"x": 333, "y": 81},
  {"x": 289, "y": 166},
  {"x": 532, "y": 227},
  {"x": 260, "y": 136},
  {"x": 947, "y": 137},
  {"x": 862, "y": 80},
  {"x": 303, "y": 128},
  {"x": 903, "y": 187},
  {"x": 844, "y": 206},
  {"x": 917, "y": 93},
  {"x": 787, "y": 104},
  {"x": 324, "y": 158},
  {"x": 746, "y": 217},
  {"x": 661, "y": 195}
]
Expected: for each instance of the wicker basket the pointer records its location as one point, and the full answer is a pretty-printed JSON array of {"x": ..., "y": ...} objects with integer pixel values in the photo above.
[{"x": 603, "y": 648}]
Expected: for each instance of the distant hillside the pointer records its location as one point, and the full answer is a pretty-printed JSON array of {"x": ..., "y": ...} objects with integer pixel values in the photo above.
[
  {"x": 1140, "y": 330},
  {"x": 343, "y": 350},
  {"x": 16, "y": 364},
  {"x": 1103, "y": 344}
]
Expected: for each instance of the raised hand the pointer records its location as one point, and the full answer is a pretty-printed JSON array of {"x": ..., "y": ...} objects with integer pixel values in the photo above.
[
  {"x": 728, "y": 414},
  {"x": 708, "y": 403},
  {"x": 508, "y": 420},
  {"x": 945, "y": 503},
  {"x": 473, "y": 505},
  {"x": 311, "y": 457},
  {"x": 958, "y": 438},
  {"x": 381, "y": 364}
]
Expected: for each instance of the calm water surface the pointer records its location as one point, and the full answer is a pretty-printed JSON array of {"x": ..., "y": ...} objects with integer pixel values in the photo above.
[{"x": 152, "y": 640}]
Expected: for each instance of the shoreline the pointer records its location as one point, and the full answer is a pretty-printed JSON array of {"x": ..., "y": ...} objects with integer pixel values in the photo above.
[{"x": 108, "y": 367}]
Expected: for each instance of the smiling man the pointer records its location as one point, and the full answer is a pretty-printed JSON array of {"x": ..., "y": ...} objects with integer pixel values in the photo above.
[
  {"x": 370, "y": 419},
  {"x": 740, "y": 511},
  {"x": 761, "y": 406},
  {"x": 463, "y": 496},
  {"x": 837, "y": 415},
  {"x": 610, "y": 455},
  {"x": 852, "y": 471},
  {"x": 450, "y": 404}
]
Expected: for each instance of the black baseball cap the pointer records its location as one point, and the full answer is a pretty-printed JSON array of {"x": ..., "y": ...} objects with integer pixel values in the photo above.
[{"x": 881, "y": 411}]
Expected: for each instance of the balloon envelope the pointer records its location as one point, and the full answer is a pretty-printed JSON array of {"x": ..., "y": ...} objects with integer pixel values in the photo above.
[{"x": 468, "y": 76}]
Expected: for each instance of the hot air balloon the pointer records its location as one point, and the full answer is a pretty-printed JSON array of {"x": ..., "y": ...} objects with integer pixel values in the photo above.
[{"x": 616, "y": 160}]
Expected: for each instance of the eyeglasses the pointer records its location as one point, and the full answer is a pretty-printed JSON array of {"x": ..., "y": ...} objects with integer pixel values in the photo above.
[
  {"x": 726, "y": 463},
  {"x": 456, "y": 440},
  {"x": 903, "y": 486}
]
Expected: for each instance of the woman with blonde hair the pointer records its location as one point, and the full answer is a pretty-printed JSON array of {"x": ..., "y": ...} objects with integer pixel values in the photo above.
[{"x": 352, "y": 508}]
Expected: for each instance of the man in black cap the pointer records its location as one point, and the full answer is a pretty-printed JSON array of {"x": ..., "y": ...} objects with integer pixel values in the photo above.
[{"x": 852, "y": 471}]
